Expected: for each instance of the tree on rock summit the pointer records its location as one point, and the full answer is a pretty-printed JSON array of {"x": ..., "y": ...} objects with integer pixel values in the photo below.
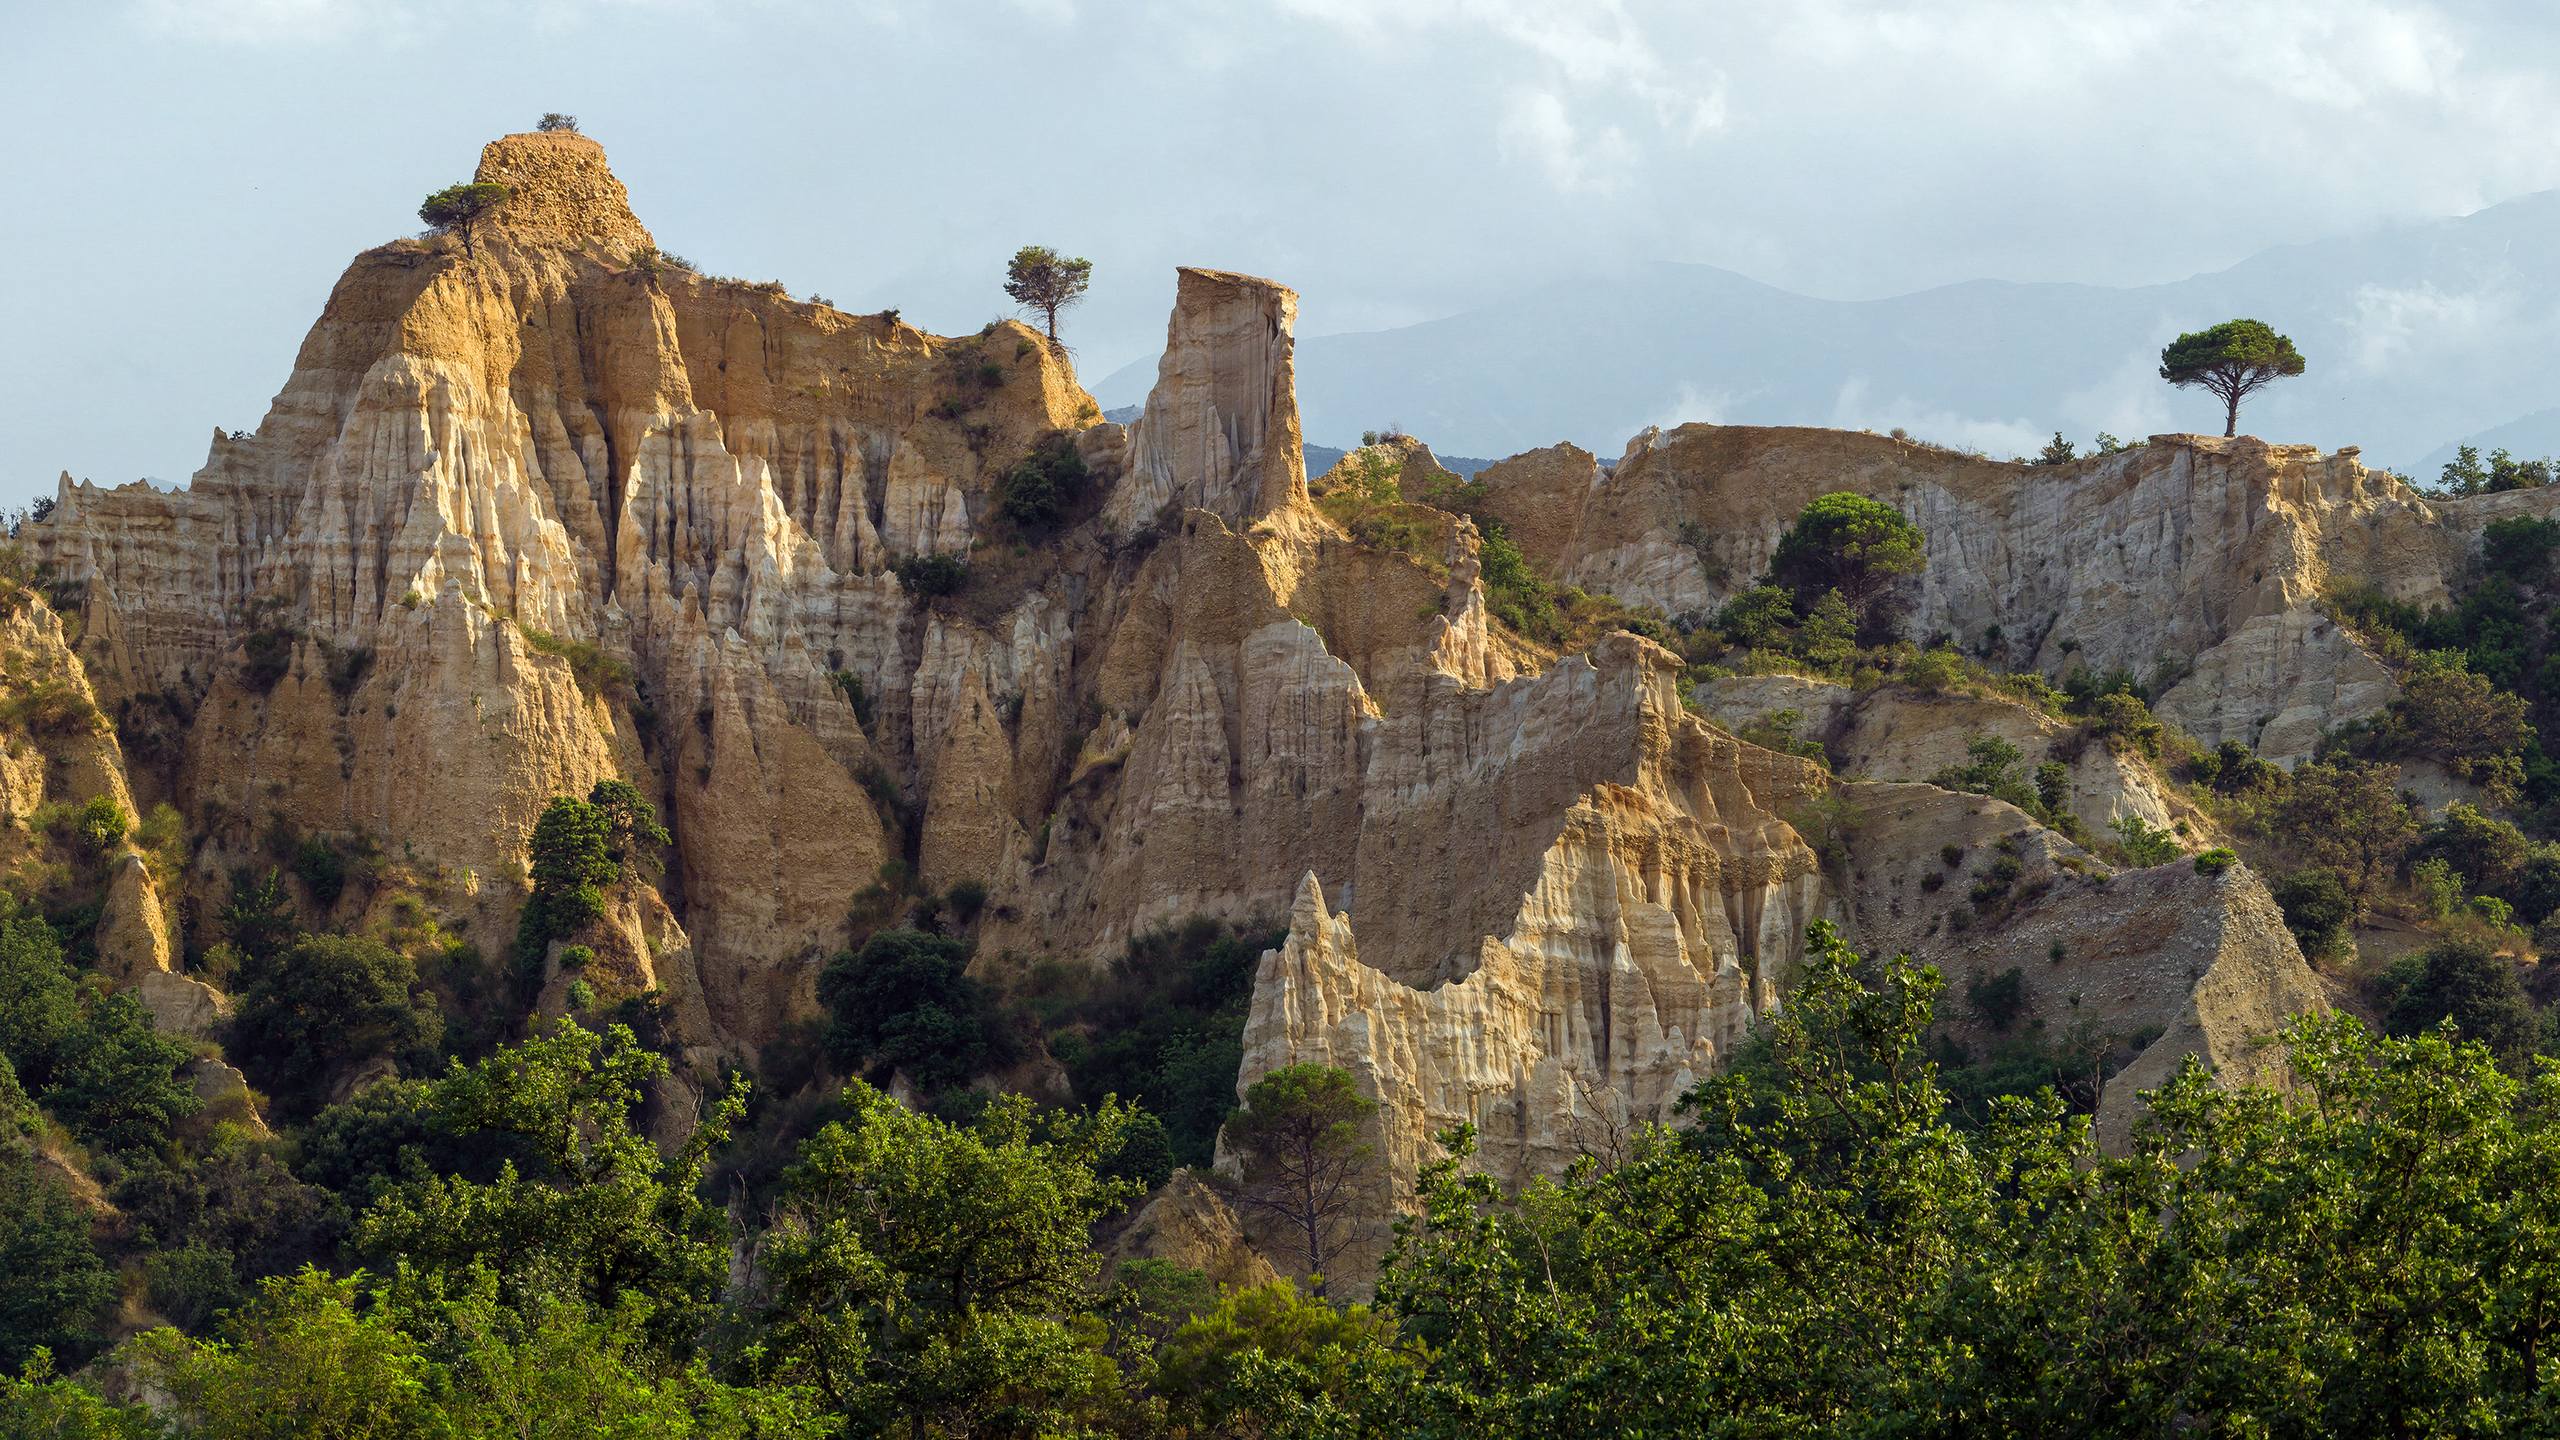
[
  {"x": 457, "y": 208},
  {"x": 2234, "y": 360},
  {"x": 1041, "y": 279}
]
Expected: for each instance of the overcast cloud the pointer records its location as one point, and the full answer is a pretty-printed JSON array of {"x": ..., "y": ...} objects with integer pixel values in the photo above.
[{"x": 204, "y": 168}]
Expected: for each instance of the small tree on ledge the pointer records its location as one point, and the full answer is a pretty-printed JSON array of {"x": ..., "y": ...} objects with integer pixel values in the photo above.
[
  {"x": 457, "y": 208},
  {"x": 1041, "y": 279},
  {"x": 2233, "y": 360},
  {"x": 554, "y": 120}
]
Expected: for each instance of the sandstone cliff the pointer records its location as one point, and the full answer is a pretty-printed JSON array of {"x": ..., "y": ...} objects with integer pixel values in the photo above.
[
  {"x": 554, "y": 509},
  {"x": 2196, "y": 559}
]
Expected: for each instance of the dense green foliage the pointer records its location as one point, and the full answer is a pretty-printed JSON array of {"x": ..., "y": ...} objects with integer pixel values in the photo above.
[
  {"x": 1040, "y": 279},
  {"x": 460, "y": 208},
  {"x": 2232, "y": 361},
  {"x": 2467, "y": 474},
  {"x": 1846, "y": 544},
  {"x": 1044, "y": 487},
  {"x": 329, "y": 1002},
  {"x": 905, "y": 1003},
  {"x": 931, "y": 575},
  {"x": 579, "y": 848},
  {"x": 1163, "y": 1029}
]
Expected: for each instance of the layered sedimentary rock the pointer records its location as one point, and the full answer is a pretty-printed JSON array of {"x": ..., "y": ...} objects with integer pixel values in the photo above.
[
  {"x": 2168, "y": 960},
  {"x": 1220, "y": 431},
  {"x": 552, "y": 509},
  {"x": 2197, "y": 559},
  {"x": 1894, "y": 732}
]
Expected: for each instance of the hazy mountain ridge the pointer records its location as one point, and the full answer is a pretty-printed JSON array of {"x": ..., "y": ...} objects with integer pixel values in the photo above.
[{"x": 2419, "y": 337}]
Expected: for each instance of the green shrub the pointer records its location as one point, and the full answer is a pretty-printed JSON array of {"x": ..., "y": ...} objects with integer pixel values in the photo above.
[
  {"x": 1998, "y": 1000},
  {"x": 932, "y": 574},
  {"x": 319, "y": 865},
  {"x": 2122, "y": 719},
  {"x": 905, "y": 1003},
  {"x": 266, "y": 655},
  {"x": 2144, "y": 844},
  {"x": 1045, "y": 486},
  {"x": 2216, "y": 860},
  {"x": 2319, "y": 909},
  {"x": 102, "y": 825},
  {"x": 2468, "y": 984},
  {"x": 50, "y": 708},
  {"x": 325, "y": 1006}
]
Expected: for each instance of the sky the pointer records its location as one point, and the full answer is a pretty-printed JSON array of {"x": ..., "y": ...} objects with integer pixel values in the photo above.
[{"x": 188, "y": 177}]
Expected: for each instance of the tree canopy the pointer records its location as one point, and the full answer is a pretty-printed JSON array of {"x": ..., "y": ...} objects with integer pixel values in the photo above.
[
  {"x": 1856, "y": 546},
  {"x": 2232, "y": 360},
  {"x": 459, "y": 208},
  {"x": 1041, "y": 280}
]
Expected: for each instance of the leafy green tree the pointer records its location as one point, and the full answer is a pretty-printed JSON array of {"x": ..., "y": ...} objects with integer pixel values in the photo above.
[
  {"x": 1758, "y": 618},
  {"x": 2348, "y": 817},
  {"x": 332, "y": 1002},
  {"x": 309, "y": 1358},
  {"x": 633, "y": 835},
  {"x": 1040, "y": 488},
  {"x": 557, "y": 1367},
  {"x": 583, "y": 1206},
  {"x": 115, "y": 1079},
  {"x": 2464, "y": 474},
  {"x": 2319, "y": 910},
  {"x": 1042, "y": 280},
  {"x": 2449, "y": 714},
  {"x": 1992, "y": 768},
  {"x": 1305, "y": 1157},
  {"x": 1828, "y": 639},
  {"x": 57, "y": 1288},
  {"x": 1859, "y": 547},
  {"x": 39, "y": 1003},
  {"x": 1224, "y": 1368},
  {"x": 2490, "y": 853},
  {"x": 2469, "y": 984},
  {"x": 918, "y": 1273},
  {"x": 2057, "y": 451},
  {"x": 40, "y": 1404},
  {"x": 2232, "y": 360},
  {"x": 905, "y": 1002},
  {"x": 459, "y": 209},
  {"x": 258, "y": 917},
  {"x": 573, "y": 860}
]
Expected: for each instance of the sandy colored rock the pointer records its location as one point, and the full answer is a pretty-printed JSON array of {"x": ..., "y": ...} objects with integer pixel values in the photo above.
[
  {"x": 1188, "y": 1223},
  {"x": 2199, "y": 559},
  {"x": 1220, "y": 430},
  {"x": 133, "y": 936}
]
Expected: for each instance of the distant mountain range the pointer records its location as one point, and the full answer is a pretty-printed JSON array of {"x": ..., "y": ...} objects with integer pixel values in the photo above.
[{"x": 2420, "y": 337}]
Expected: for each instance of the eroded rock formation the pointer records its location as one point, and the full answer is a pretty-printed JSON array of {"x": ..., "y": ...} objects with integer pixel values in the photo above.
[{"x": 2196, "y": 559}]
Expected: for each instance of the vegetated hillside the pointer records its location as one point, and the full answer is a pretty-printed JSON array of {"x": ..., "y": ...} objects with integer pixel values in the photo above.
[
  {"x": 500, "y": 824},
  {"x": 2418, "y": 336}
]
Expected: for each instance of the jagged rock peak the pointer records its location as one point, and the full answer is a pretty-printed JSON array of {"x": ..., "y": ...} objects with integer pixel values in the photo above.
[
  {"x": 565, "y": 193},
  {"x": 1220, "y": 431}
]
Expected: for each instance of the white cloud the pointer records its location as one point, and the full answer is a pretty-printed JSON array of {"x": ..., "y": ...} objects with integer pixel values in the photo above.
[
  {"x": 2128, "y": 402},
  {"x": 1537, "y": 128},
  {"x": 2394, "y": 327}
]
